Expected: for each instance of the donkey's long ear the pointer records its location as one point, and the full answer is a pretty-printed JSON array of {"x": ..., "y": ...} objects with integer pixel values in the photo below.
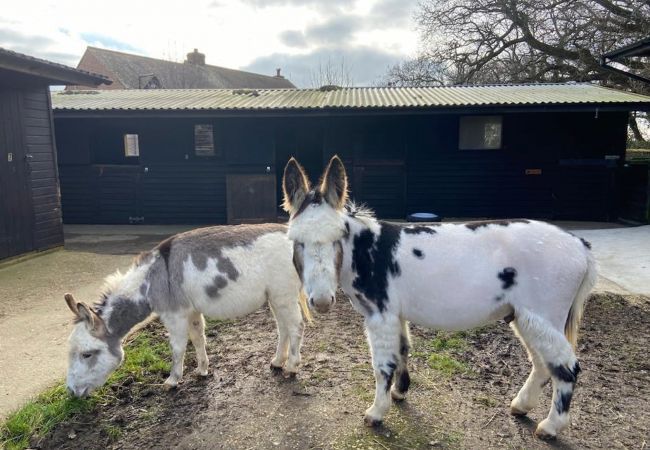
[
  {"x": 94, "y": 323},
  {"x": 72, "y": 304},
  {"x": 295, "y": 186},
  {"x": 334, "y": 186}
]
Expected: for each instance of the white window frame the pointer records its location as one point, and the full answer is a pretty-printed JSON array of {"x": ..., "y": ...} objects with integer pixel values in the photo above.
[
  {"x": 131, "y": 145},
  {"x": 473, "y": 132},
  {"x": 207, "y": 147}
]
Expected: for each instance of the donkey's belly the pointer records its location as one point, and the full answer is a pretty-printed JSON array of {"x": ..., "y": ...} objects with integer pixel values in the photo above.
[
  {"x": 442, "y": 307},
  {"x": 446, "y": 317}
]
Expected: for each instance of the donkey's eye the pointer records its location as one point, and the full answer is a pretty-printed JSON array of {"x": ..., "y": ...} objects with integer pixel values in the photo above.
[{"x": 87, "y": 355}]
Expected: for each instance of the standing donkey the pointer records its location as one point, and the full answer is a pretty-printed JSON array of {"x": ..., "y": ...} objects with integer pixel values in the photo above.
[
  {"x": 222, "y": 272},
  {"x": 444, "y": 276}
]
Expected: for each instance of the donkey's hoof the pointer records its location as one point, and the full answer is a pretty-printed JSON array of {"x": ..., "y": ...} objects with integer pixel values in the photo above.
[
  {"x": 276, "y": 369},
  {"x": 289, "y": 375},
  {"x": 168, "y": 385},
  {"x": 398, "y": 396},
  {"x": 517, "y": 412},
  {"x": 544, "y": 431},
  {"x": 371, "y": 422},
  {"x": 201, "y": 373}
]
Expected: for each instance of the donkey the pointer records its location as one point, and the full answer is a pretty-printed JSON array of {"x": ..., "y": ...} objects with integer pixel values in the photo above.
[
  {"x": 444, "y": 276},
  {"x": 222, "y": 272}
]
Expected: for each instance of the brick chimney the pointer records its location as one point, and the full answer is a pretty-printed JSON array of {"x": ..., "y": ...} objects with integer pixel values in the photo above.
[
  {"x": 277, "y": 73},
  {"x": 196, "y": 58}
]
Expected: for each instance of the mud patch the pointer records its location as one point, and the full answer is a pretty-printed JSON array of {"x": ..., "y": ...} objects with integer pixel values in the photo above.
[{"x": 242, "y": 404}]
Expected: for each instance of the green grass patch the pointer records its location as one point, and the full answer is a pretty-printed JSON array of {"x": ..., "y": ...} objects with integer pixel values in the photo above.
[
  {"x": 446, "y": 364},
  {"x": 113, "y": 432},
  {"x": 39, "y": 416},
  {"x": 147, "y": 360},
  {"x": 444, "y": 341},
  {"x": 443, "y": 352}
]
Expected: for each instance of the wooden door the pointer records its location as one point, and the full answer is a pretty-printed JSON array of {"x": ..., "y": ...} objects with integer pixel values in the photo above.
[
  {"x": 118, "y": 193},
  {"x": 16, "y": 210},
  {"x": 251, "y": 198}
]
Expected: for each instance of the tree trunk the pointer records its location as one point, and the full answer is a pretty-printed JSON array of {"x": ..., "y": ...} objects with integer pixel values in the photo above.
[{"x": 635, "y": 129}]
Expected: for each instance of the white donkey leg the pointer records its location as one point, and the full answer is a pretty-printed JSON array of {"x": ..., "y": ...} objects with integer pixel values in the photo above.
[
  {"x": 402, "y": 380},
  {"x": 558, "y": 355},
  {"x": 197, "y": 336},
  {"x": 288, "y": 317},
  {"x": 384, "y": 337},
  {"x": 529, "y": 394},
  {"x": 177, "y": 324}
]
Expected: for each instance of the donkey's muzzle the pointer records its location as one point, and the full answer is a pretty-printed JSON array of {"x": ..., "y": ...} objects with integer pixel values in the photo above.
[{"x": 321, "y": 306}]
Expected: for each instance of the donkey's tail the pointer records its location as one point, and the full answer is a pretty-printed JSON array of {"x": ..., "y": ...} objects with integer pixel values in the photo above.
[
  {"x": 302, "y": 299},
  {"x": 575, "y": 313}
]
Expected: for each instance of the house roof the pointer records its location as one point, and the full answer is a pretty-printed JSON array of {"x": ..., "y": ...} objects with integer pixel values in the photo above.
[
  {"x": 49, "y": 72},
  {"x": 133, "y": 71},
  {"x": 639, "y": 48},
  {"x": 428, "y": 98}
]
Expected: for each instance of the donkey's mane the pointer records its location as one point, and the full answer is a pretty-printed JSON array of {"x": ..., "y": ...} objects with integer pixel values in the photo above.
[
  {"x": 360, "y": 211},
  {"x": 117, "y": 282}
]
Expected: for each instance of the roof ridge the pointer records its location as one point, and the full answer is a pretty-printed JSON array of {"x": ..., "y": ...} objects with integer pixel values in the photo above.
[{"x": 183, "y": 63}]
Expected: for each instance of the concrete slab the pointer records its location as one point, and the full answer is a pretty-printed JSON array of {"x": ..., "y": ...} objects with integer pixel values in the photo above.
[{"x": 623, "y": 256}]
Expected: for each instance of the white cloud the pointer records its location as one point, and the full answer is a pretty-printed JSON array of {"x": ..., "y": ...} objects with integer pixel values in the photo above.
[{"x": 256, "y": 34}]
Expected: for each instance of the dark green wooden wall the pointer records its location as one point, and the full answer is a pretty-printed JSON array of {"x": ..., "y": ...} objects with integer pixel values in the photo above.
[{"x": 398, "y": 164}]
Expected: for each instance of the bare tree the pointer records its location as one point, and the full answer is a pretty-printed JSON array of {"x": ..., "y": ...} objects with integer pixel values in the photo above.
[
  {"x": 510, "y": 41},
  {"x": 331, "y": 74}
]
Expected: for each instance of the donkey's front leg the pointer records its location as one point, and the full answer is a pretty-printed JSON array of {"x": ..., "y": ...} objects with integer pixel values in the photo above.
[
  {"x": 177, "y": 325},
  {"x": 383, "y": 336}
]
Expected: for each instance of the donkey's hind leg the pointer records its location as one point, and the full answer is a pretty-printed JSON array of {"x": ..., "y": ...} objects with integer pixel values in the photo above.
[
  {"x": 197, "y": 336},
  {"x": 402, "y": 380},
  {"x": 286, "y": 309},
  {"x": 556, "y": 352},
  {"x": 529, "y": 394}
]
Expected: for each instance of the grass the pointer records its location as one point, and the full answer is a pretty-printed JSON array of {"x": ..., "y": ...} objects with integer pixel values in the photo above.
[
  {"x": 147, "y": 360},
  {"x": 445, "y": 364},
  {"x": 442, "y": 351}
]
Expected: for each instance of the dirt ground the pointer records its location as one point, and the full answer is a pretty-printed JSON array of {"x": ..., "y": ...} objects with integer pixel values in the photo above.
[{"x": 243, "y": 405}]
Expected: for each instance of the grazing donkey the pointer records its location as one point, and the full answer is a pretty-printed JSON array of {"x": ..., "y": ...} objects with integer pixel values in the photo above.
[
  {"x": 444, "y": 276},
  {"x": 222, "y": 272}
]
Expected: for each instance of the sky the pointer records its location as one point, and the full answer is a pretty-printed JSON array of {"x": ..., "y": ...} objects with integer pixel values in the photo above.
[{"x": 364, "y": 36}]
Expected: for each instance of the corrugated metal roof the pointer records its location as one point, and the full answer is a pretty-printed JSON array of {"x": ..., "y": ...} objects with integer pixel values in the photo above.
[{"x": 354, "y": 98}]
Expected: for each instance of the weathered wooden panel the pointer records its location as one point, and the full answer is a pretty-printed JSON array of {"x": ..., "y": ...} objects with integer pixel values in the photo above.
[
  {"x": 251, "y": 198},
  {"x": 188, "y": 193},
  {"x": 77, "y": 194},
  {"x": 16, "y": 212}
]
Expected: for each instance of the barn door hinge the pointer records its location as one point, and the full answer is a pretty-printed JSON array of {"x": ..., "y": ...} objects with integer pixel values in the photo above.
[{"x": 136, "y": 219}]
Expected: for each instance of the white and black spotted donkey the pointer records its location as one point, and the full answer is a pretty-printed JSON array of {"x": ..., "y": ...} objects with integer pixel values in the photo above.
[{"x": 446, "y": 276}]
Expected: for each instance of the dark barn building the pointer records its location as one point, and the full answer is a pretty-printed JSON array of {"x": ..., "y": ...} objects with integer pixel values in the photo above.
[
  {"x": 216, "y": 156},
  {"x": 30, "y": 207}
]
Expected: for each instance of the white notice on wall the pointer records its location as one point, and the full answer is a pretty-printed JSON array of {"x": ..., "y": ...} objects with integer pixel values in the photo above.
[{"x": 131, "y": 147}]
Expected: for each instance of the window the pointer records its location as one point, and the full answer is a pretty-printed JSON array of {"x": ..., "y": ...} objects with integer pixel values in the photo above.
[
  {"x": 480, "y": 132},
  {"x": 203, "y": 140},
  {"x": 131, "y": 145}
]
